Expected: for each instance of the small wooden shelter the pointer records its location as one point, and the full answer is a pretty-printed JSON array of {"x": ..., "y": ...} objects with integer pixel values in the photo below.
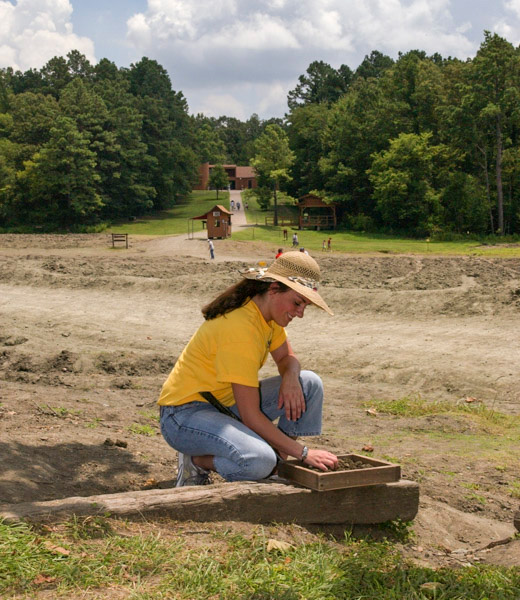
[
  {"x": 316, "y": 214},
  {"x": 217, "y": 222}
]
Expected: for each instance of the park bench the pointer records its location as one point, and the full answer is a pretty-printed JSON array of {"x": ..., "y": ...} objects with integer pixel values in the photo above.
[{"x": 119, "y": 237}]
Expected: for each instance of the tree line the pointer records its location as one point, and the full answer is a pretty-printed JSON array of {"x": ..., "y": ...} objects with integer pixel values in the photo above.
[
  {"x": 84, "y": 145},
  {"x": 422, "y": 144}
]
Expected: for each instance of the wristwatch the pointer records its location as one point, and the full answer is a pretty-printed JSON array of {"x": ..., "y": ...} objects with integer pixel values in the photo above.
[{"x": 305, "y": 451}]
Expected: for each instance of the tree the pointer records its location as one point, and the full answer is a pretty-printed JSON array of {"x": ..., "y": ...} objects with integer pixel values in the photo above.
[
  {"x": 495, "y": 99},
  {"x": 407, "y": 180},
  {"x": 218, "y": 178},
  {"x": 373, "y": 65},
  {"x": 209, "y": 147},
  {"x": 33, "y": 117},
  {"x": 58, "y": 180},
  {"x": 322, "y": 83},
  {"x": 167, "y": 132},
  {"x": 305, "y": 131},
  {"x": 273, "y": 159}
]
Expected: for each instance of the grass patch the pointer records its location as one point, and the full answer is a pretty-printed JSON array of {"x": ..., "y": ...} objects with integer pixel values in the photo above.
[
  {"x": 90, "y": 555},
  {"x": 419, "y": 407},
  {"x": 361, "y": 243},
  {"x": 140, "y": 429},
  {"x": 175, "y": 220}
]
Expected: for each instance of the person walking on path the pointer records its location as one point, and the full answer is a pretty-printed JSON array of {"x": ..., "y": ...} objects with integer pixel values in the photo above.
[
  {"x": 215, "y": 411},
  {"x": 211, "y": 249}
]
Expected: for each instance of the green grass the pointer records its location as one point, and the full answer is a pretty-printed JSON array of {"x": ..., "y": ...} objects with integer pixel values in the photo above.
[
  {"x": 140, "y": 429},
  {"x": 359, "y": 243},
  {"x": 418, "y": 407},
  {"x": 175, "y": 220},
  {"x": 89, "y": 555}
]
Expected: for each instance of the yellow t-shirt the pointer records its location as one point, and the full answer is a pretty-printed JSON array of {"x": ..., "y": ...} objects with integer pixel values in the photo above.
[{"x": 229, "y": 349}]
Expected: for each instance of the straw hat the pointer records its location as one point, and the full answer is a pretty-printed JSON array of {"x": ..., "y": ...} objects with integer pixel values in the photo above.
[{"x": 296, "y": 270}]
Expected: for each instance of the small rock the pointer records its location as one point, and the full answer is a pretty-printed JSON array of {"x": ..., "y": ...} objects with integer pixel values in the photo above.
[
  {"x": 121, "y": 444},
  {"x": 109, "y": 442}
]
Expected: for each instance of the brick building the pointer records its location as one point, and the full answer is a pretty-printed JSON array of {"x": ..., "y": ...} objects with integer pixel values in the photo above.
[{"x": 240, "y": 178}]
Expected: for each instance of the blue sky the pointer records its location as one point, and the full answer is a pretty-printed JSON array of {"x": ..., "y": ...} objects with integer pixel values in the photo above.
[{"x": 237, "y": 57}]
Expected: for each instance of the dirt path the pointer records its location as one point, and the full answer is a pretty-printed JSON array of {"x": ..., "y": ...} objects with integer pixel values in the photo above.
[{"x": 88, "y": 335}]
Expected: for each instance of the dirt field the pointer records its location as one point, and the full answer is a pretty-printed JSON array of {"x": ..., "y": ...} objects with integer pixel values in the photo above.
[{"x": 88, "y": 334}]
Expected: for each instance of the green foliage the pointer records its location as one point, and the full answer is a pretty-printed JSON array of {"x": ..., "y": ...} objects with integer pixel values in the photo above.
[
  {"x": 321, "y": 84},
  {"x": 272, "y": 161},
  {"x": 262, "y": 196},
  {"x": 80, "y": 145},
  {"x": 406, "y": 181},
  {"x": 218, "y": 178},
  {"x": 468, "y": 109}
]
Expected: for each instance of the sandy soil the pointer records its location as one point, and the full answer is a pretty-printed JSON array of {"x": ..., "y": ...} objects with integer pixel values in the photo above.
[{"x": 88, "y": 334}]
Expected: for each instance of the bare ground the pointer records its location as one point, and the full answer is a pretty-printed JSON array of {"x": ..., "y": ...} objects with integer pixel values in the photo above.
[{"x": 88, "y": 335}]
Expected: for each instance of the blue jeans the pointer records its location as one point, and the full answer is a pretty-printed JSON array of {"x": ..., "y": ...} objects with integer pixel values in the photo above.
[{"x": 198, "y": 429}]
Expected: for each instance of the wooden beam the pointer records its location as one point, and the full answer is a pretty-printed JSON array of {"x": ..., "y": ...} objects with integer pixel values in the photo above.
[{"x": 262, "y": 502}]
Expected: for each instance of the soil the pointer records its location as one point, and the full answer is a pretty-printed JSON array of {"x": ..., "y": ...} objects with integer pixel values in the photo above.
[{"x": 89, "y": 333}]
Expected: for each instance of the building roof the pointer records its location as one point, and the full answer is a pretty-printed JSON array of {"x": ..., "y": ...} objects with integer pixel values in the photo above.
[{"x": 215, "y": 208}]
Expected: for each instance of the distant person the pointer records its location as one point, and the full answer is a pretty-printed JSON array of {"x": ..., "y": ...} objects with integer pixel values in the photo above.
[
  {"x": 294, "y": 240},
  {"x": 246, "y": 206},
  {"x": 279, "y": 253},
  {"x": 211, "y": 249},
  {"x": 232, "y": 204},
  {"x": 285, "y": 234},
  {"x": 238, "y": 205},
  {"x": 329, "y": 244},
  {"x": 323, "y": 245}
]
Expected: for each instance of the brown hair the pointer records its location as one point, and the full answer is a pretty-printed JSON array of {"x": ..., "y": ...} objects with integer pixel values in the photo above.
[{"x": 236, "y": 296}]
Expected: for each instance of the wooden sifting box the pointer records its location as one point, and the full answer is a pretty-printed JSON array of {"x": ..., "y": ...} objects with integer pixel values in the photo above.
[{"x": 381, "y": 472}]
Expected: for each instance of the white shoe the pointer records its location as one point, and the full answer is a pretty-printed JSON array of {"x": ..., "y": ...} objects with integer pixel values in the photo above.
[{"x": 190, "y": 474}]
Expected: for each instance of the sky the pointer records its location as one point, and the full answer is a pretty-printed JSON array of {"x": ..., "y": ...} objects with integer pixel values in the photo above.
[{"x": 239, "y": 57}]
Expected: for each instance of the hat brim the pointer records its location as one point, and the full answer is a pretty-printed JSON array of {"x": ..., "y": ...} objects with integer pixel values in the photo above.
[{"x": 306, "y": 292}]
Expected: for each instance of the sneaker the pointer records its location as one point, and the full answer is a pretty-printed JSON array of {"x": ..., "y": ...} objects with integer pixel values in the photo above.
[{"x": 189, "y": 474}]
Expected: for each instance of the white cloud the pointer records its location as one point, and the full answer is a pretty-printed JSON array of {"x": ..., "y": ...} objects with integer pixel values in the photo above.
[
  {"x": 509, "y": 27},
  {"x": 265, "y": 45},
  {"x": 214, "y": 105},
  {"x": 259, "y": 33},
  {"x": 513, "y": 6},
  {"x": 34, "y": 31}
]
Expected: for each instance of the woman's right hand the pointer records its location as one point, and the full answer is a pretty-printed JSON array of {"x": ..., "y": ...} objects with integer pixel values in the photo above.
[{"x": 321, "y": 459}]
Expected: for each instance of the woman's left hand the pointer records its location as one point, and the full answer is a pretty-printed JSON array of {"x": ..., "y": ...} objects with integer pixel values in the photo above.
[{"x": 291, "y": 396}]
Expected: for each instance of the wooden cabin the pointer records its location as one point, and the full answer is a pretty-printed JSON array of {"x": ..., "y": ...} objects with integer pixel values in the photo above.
[
  {"x": 316, "y": 214},
  {"x": 217, "y": 221}
]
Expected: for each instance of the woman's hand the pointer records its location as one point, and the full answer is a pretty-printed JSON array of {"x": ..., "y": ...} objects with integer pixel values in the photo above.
[
  {"x": 321, "y": 459},
  {"x": 291, "y": 396}
]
